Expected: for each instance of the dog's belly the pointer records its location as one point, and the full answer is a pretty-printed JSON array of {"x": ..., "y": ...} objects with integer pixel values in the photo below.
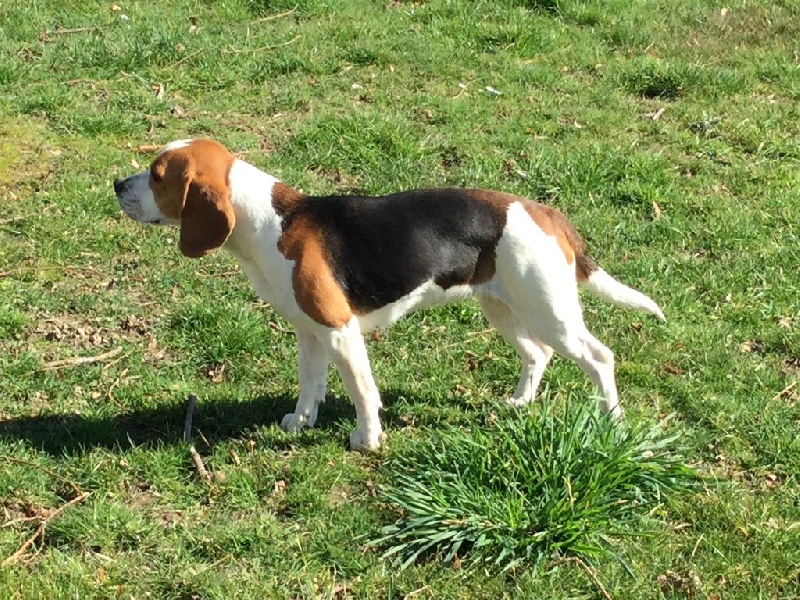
[{"x": 425, "y": 296}]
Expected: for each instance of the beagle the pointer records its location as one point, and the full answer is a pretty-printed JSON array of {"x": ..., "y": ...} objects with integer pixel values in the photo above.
[{"x": 339, "y": 266}]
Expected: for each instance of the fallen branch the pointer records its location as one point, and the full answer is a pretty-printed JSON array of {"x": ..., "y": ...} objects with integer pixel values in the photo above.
[
  {"x": 589, "y": 570},
  {"x": 199, "y": 466},
  {"x": 81, "y": 360}
]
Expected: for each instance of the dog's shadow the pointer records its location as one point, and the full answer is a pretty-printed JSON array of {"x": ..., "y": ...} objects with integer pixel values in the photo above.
[{"x": 217, "y": 419}]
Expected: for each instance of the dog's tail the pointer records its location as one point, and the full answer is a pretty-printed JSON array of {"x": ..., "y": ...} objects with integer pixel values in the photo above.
[{"x": 601, "y": 284}]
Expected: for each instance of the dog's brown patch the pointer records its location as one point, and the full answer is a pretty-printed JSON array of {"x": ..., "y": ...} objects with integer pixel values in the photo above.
[
  {"x": 550, "y": 220},
  {"x": 315, "y": 288},
  {"x": 556, "y": 224},
  {"x": 191, "y": 184},
  {"x": 284, "y": 198}
]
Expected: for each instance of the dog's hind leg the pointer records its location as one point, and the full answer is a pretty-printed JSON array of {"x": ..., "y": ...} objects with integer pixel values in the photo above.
[
  {"x": 539, "y": 282},
  {"x": 313, "y": 379},
  {"x": 533, "y": 354}
]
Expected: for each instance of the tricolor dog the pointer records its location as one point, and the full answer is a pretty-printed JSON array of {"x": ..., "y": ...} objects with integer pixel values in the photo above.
[{"x": 339, "y": 266}]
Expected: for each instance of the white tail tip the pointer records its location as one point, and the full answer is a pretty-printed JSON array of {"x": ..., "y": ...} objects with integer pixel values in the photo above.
[{"x": 605, "y": 286}]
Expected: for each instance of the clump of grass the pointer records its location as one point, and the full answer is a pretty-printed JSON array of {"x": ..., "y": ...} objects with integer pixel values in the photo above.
[
  {"x": 659, "y": 79},
  {"x": 528, "y": 487}
]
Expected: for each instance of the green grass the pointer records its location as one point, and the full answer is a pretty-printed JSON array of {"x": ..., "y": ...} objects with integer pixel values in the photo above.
[
  {"x": 525, "y": 488},
  {"x": 699, "y": 208}
]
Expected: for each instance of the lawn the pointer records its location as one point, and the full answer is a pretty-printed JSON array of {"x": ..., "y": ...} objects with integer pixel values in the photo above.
[{"x": 669, "y": 132}]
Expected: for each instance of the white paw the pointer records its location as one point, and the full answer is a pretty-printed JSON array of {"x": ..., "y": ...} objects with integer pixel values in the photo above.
[
  {"x": 518, "y": 402},
  {"x": 616, "y": 412},
  {"x": 361, "y": 441},
  {"x": 292, "y": 423}
]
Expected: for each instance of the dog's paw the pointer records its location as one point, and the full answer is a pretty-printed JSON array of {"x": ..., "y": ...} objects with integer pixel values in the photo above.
[
  {"x": 364, "y": 442},
  {"x": 518, "y": 402},
  {"x": 292, "y": 423}
]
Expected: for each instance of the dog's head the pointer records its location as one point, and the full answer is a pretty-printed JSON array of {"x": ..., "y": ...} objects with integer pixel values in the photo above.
[{"x": 186, "y": 185}]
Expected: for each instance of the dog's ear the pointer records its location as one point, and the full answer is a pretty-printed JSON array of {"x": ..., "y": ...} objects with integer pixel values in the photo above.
[
  {"x": 207, "y": 218},
  {"x": 170, "y": 175}
]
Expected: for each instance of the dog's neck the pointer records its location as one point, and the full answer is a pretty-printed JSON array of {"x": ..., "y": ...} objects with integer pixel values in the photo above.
[{"x": 252, "y": 197}]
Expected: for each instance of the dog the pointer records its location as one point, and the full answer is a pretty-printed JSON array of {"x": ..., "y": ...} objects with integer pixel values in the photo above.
[{"x": 337, "y": 267}]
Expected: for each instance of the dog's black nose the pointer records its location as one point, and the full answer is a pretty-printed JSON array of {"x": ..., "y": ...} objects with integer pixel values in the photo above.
[{"x": 118, "y": 185}]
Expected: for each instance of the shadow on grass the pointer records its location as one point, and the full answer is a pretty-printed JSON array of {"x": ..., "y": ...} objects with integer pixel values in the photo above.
[{"x": 218, "y": 419}]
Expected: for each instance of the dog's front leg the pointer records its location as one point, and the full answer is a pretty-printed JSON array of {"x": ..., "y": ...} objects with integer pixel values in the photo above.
[
  {"x": 350, "y": 357},
  {"x": 313, "y": 376}
]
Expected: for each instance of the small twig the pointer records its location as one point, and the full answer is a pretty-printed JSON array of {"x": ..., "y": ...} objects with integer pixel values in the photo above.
[
  {"x": 416, "y": 592},
  {"x": 114, "y": 384},
  {"x": 198, "y": 464},
  {"x": 39, "y": 533},
  {"x": 20, "y": 520},
  {"x": 278, "y": 16},
  {"x": 204, "y": 439},
  {"x": 53, "y": 474},
  {"x": 187, "y": 422},
  {"x": 187, "y": 57},
  {"x": 187, "y": 437},
  {"x": 81, "y": 360},
  {"x": 262, "y": 48},
  {"x": 585, "y": 567},
  {"x": 65, "y": 31},
  {"x": 80, "y": 495}
]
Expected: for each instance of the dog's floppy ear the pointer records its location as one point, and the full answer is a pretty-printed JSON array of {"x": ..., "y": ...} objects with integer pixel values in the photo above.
[{"x": 207, "y": 218}]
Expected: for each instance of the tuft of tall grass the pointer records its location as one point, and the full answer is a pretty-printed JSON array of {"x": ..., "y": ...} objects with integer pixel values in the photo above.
[{"x": 529, "y": 486}]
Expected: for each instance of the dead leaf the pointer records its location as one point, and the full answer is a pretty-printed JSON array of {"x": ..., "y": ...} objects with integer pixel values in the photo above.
[
  {"x": 656, "y": 211},
  {"x": 791, "y": 365},
  {"x": 340, "y": 591},
  {"x": 216, "y": 373},
  {"x": 193, "y": 27},
  {"x": 673, "y": 370},
  {"x": 158, "y": 90},
  {"x": 671, "y": 582},
  {"x": 751, "y": 346},
  {"x": 655, "y": 115}
]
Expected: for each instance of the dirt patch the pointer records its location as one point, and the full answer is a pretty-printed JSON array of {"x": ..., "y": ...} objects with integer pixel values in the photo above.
[
  {"x": 82, "y": 334},
  {"x": 27, "y": 156}
]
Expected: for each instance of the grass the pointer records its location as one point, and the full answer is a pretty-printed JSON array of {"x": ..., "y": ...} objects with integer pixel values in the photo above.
[
  {"x": 698, "y": 208},
  {"x": 525, "y": 488}
]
